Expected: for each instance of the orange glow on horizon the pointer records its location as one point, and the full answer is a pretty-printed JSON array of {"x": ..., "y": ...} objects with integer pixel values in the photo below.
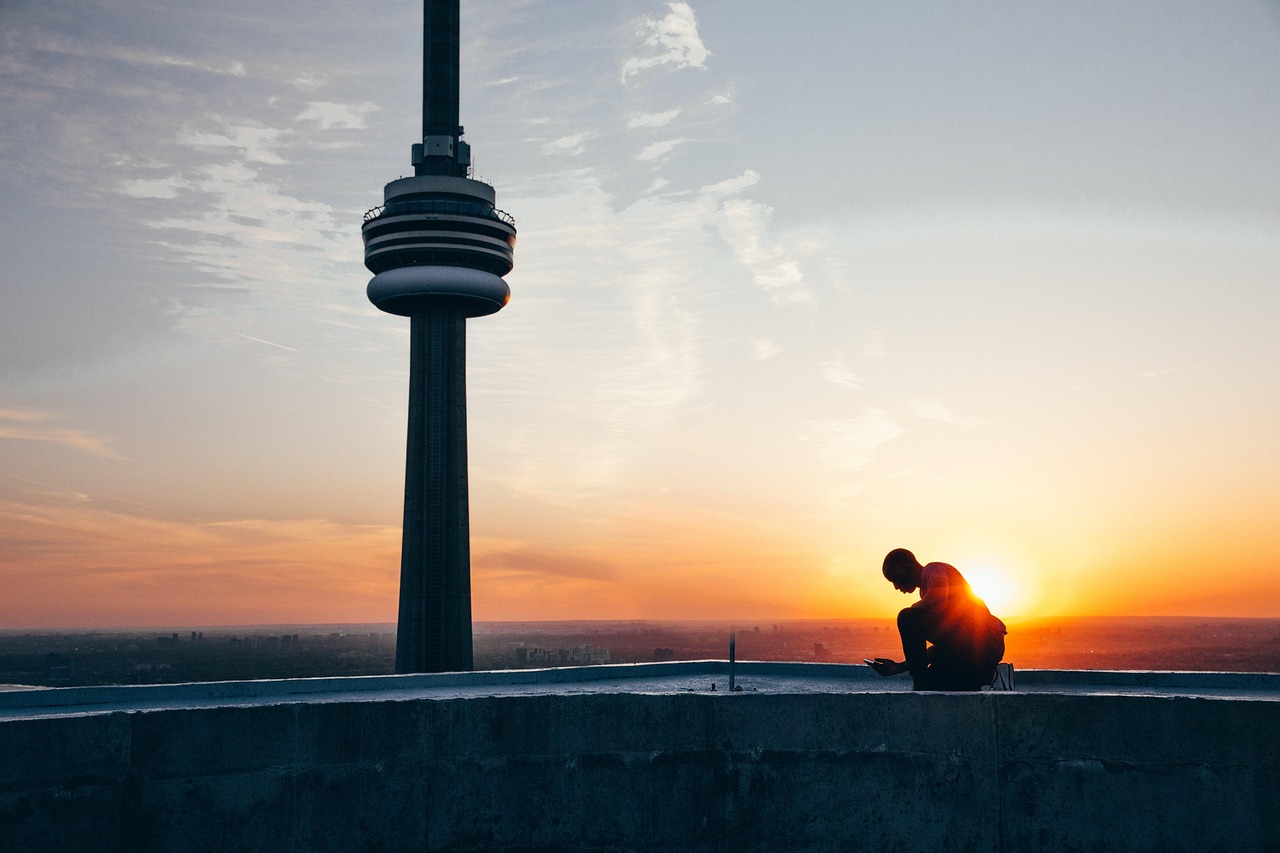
[{"x": 73, "y": 564}]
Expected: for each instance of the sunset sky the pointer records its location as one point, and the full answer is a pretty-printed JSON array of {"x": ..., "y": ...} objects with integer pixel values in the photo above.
[{"x": 795, "y": 284}]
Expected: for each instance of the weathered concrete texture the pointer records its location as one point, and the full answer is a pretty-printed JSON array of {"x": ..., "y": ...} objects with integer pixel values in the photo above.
[
  {"x": 746, "y": 771},
  {"x": 1109, "y": 772}
]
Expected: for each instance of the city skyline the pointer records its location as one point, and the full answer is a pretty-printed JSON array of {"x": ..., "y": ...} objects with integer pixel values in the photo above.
[{"x": 997, "y": 285}]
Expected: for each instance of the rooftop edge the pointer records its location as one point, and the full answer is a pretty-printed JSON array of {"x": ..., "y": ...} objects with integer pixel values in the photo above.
[{"x": 657, "y": 678}]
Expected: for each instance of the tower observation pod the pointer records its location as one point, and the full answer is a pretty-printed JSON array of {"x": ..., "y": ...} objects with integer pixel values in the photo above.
[{"x": 438, "y": 248}]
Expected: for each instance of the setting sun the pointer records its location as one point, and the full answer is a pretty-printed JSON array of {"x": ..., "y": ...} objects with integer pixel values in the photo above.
[{"x": 1006, "y": 594}]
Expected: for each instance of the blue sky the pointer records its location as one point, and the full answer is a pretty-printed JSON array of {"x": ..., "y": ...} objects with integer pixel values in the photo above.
[{"x": 996, "y": 281}]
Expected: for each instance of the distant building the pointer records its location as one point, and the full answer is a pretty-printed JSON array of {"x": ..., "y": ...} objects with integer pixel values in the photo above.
[{"x": 577, "y": 656}]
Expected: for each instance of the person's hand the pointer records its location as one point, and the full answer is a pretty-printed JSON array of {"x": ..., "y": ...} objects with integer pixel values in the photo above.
[{"x": 886, "y": 667}]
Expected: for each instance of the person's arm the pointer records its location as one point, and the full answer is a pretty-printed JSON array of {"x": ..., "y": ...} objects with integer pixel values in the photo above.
[
  {"x": 934, "y": 589},
  {"x": 884, "y": 666}
]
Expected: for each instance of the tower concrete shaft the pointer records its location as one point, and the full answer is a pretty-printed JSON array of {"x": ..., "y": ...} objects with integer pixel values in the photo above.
[
  {"x": 438, "y": 249},
  {"x": 434, "y": 629}
]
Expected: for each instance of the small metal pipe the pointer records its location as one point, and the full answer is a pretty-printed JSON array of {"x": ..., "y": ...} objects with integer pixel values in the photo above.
[{"x": 733, "y": 642}]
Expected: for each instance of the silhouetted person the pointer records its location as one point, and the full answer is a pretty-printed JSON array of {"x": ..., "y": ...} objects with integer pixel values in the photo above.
[{"x": 949, "y": 637}]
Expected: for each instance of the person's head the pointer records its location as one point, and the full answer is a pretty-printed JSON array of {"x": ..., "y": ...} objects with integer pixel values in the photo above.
[{"x": 902, "y": 569}]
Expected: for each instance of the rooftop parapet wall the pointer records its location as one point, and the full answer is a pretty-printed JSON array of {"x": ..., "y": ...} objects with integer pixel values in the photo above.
[{"x": 786, "y": 764}]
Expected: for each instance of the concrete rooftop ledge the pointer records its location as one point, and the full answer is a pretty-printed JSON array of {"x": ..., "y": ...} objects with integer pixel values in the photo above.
[
  {"x": 807, "y": 757},
  {"x": 711, "y": 676}
]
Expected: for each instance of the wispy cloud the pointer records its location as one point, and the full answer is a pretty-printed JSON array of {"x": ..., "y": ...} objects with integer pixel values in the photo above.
[
  {"x": 258, "y": 144},
  {"x": 932, "y": 410},
  {"x": 744, "y": 225},
  {"x": 333, "y": 116},
  {"x": 530, "y": 562},
  {"x": 639, "y": 120},
  {"x": 572, "y": 145},
  {"x": 36, "y": 425},
  {"x": 121, "y": 568},
  {"x": 166, "y": 187},
  {"x": 852, "y": 443},
  {"x": 675, "y": 40},
  {"x": 85, "y": 48},
  {"x": 261, "y": 341},
  {"x": 732, "y": 186},
  {"x": 241, "y": 229},
  {"x": 627, "y": 327},
  {"x": 837, "y": 372},
  {"x": 24, "y": 416},
  {"x": 658, "y": 150},
  {"x": 285, "y": 239},
  {"x": 763, "y": 349},
  {"x": 205, "y": 153}
]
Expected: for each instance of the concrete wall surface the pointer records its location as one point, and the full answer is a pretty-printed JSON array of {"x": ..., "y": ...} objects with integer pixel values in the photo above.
[{"x": 623, "y": 771}]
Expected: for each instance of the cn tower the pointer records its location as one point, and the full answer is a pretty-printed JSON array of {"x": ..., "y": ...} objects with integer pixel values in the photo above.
[{"x": 438, "y": 249}]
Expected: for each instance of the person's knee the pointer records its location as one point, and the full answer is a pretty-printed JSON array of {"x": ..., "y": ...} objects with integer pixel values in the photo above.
[{"x": 910, "y": 619}]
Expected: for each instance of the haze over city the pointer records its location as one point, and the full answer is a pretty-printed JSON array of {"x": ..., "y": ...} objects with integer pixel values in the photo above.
[{"x": 793, "y": 288}]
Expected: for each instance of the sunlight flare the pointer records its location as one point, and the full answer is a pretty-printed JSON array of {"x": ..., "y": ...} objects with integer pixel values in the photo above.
[{"x": 1006, "y": 592}]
